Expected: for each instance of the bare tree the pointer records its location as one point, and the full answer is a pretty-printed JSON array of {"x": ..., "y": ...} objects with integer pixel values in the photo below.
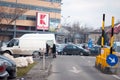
[
  {"x": 82, "y": 31},
  {"x": 76, "y": 27},
  {"x": 9, "y": 15}
]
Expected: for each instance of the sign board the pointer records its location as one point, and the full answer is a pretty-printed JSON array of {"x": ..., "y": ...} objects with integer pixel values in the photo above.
[
  {"x": 112, "y": 59},
  {"x": 42, "y": 21},
  {"x": 90, "y": 43}
]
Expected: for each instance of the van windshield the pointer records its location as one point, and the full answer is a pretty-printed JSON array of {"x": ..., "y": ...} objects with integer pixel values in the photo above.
[{"x": 13, "y": 42}]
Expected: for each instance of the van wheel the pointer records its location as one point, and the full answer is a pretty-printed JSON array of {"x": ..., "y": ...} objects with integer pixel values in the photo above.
[
  {"x": 7, "y": 52},
  {"x": 36, "y": 54}
]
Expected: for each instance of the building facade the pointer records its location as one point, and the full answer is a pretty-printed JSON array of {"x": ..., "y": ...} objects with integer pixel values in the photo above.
[
  {"x": 95, "y": 35},
  {"x": 27, "y": 22}
]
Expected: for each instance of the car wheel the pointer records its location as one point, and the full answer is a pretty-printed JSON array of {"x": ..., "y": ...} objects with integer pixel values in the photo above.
[
  {"x": 65, "y": 53},
  {"x": 61, "y": 53},
  {"x": 36, "y": 54}
]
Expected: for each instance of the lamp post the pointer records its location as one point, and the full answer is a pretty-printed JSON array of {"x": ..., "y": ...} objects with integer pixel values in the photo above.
[
  {"x": 65, "y": 20},
  {"x": 15, "y": 22}
]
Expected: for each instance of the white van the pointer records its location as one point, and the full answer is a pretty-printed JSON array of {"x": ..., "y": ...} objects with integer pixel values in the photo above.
[{"x": 29, "y": 44}]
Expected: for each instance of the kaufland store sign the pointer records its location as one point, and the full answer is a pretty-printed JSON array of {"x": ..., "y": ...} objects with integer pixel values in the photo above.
[{"x": 42, "y": 21}]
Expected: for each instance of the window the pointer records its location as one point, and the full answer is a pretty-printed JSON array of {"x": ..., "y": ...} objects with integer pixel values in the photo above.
[
  {"x": 33, "y": 18},
  {"x": 57, "y": 1},
  {"x": 31, "y": 7}
]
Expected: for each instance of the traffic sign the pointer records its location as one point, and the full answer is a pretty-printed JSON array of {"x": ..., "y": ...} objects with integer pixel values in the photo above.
[
  {"x": 90, "y": 45},
  {"x": 42, "y": 21},
  {"x": 112, "y": 59}
]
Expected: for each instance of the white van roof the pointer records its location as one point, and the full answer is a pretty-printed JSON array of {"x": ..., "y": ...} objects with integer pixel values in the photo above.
[
  {"x": 37, "y": 35},
  {"x": 46, "y": 36}
]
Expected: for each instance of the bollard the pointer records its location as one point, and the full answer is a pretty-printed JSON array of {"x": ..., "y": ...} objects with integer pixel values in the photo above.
[{"x": 43, "y": 61}]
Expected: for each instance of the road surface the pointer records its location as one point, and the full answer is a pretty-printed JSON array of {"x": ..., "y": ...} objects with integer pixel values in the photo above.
[{"x": 77, "y": 68}]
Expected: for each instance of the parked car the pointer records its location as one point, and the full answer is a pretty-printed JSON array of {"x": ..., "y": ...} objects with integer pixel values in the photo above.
[
  {"x": 83, "y": 45},
  {"x": 59, "y": 48},
  {"x": 95, "y": 50},
  {"x": 3, "y": 73},
  {"x": 10, "y": 67},
  {"x": 72, "y": 49}
]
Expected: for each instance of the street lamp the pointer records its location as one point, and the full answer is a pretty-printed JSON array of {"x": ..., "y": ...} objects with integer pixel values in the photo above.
[
  {"x": 65, "y": 20},
  {"x": 15, "y": 22}
]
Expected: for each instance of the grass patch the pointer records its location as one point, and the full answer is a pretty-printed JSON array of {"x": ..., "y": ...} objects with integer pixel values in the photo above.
[{"x": 24, "y": 70}]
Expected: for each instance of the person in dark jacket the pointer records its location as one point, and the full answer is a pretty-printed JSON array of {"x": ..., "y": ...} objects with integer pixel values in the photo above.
[
  {"x": 54, "y": 51},
  {"x": 47, "y": 49}
]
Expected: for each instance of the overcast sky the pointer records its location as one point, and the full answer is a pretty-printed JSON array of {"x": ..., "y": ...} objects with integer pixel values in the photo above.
[{"x": 90, "y": 12}]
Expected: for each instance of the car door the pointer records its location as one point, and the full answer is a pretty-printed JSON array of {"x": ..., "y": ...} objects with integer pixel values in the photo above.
[
  {"x": 68, "y": 49},
  {"x": 76, "y": 50},
  {"x": 72, "y": 50}
]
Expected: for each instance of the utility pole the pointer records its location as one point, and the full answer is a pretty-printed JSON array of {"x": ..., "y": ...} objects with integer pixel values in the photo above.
[{"x": 15, "y": 22}]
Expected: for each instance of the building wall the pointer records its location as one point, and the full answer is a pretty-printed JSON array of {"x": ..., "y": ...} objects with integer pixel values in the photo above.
[
  {"x": 94, "y": 37},
  {"x": 117, "y": 37},
  {"x": 28, "y": 19}
]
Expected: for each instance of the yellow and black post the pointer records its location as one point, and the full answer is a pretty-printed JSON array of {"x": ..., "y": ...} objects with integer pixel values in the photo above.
[
  {"x": 112, "y": 36},
  {"x": 103, "y": 32},
  {"x": 102, "y": 60},
  {"x": 99, "y": 60}
]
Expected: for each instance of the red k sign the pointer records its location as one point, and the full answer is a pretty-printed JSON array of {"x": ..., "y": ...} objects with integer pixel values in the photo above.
[{"x": 42, "y": 21}]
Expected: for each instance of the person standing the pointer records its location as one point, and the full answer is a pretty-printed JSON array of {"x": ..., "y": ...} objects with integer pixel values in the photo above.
[
  {"x": 54, "y": 51},
  {"x": 47, "y": 49}
]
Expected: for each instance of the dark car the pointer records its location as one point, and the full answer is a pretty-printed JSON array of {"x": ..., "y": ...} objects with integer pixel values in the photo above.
[
  {"x": 72, "y": 49},
  {"x": 10, "y": 67},
  {"x": 95, "y": 50},
  {"x": 3, "y": 73},
  {"x": 59, "y": 48}
]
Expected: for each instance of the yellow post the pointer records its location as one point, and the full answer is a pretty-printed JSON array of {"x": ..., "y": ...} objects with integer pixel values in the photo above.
[
  {"x": 112, "y": 36},
  {"x": 102, "y": 43},
  {"x": 99, "y": 58},
  {"x": 103, "y": 32}
]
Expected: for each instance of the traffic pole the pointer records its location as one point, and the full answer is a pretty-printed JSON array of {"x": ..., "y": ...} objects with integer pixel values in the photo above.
[
  {"x": 43, "y": 59},
  {"x": 112, "y": 36},
  {"x": 99, "y": 58},
  {"x": 103, "y": 32}
]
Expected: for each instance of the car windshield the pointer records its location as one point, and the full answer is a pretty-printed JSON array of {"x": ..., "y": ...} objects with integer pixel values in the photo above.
[{"x": 60, "y": 46}]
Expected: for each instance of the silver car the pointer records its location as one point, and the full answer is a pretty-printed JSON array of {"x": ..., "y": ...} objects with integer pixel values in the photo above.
[
  {"x": 3, "y": 73},
  {"x": 10, "y": 67}
]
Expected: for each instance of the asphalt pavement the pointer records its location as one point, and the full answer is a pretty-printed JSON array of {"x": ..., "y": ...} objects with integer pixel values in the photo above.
[
  {"x": 38, "y": 72},
  {"x": 77, "y": 68}
]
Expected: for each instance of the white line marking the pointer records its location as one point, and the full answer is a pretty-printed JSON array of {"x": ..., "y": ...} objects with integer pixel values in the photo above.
[
  {"x": 74, "y": 70},
  {"x": 116, "y": 76}
]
